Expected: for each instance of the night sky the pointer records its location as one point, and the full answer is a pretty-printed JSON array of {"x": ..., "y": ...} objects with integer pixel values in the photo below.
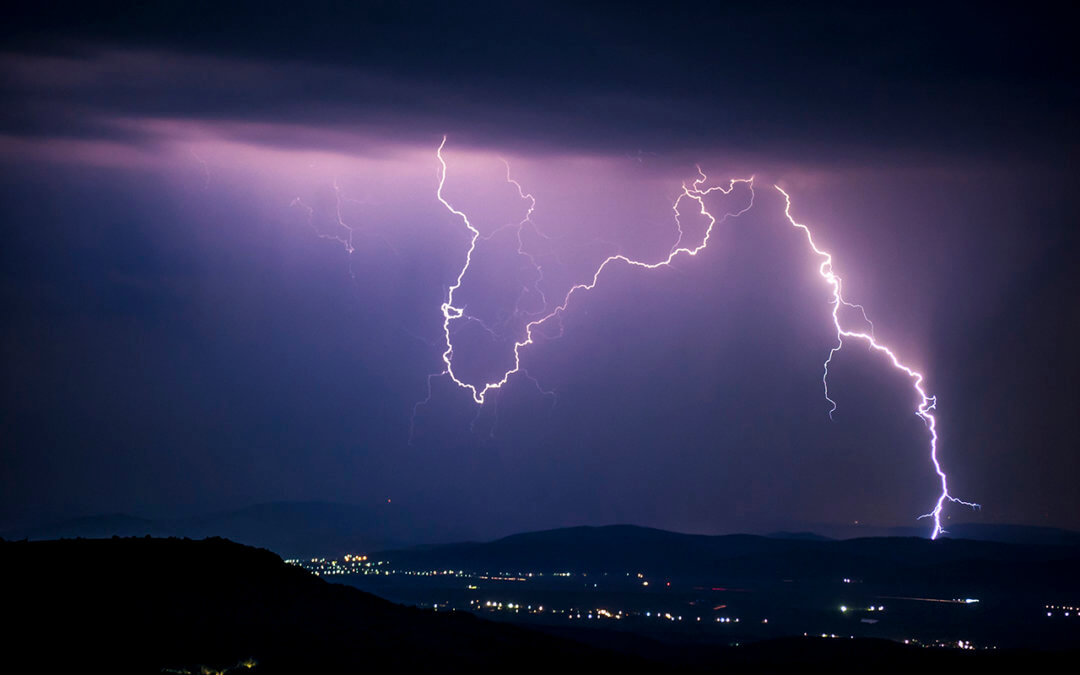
[{"x": 184, "y": 329}]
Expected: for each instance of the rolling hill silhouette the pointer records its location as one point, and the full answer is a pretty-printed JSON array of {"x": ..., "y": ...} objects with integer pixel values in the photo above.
[
  {"x": 958, "y": 565},
  {"x": 144, "y": 605},
  {"x": 303, "y": 529}
]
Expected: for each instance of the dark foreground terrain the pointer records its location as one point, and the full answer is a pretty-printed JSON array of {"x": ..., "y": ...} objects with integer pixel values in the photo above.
[
  {"x": 144, "y": 605},
  {"x": 172, "y": 605}
]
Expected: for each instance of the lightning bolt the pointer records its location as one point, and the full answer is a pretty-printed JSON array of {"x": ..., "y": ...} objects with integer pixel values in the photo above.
[
  {"x": 452, "y": 313},
  {"x": 696, "y": 192},
  {"x": 346, "y": 241},
  {"x": 344, "y": 233},
  {"x": 537, "y": 268},
  {"x": 927, "y": 403}
]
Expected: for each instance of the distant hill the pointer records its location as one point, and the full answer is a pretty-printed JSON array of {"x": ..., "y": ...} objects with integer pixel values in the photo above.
[
  {"x": 977, "y": 531},
  {"x": 302, "y": 529},
  {"x": 804, "y": 536},
  {"x": 952, "y": 563},
  {"x": 1009, "y": 534}
]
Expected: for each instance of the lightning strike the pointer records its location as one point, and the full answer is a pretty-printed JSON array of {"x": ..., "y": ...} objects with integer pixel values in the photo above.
[
  {"x": 927, "y": 403},
  {"x": 346, "y": 241},
  {"x": 696, "y": 192},
  {"x": 451, "y": 313},
  {"x": 343, "y": 233},
  {"x": 537, "y": 269}
]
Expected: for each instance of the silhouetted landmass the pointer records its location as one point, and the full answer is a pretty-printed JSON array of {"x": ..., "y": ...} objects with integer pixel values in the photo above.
[
  {"x": 171, "y": 605},
  {"x": 1029, "y": 535},
  {"x": 957, "y": 566},
  {"x": 814, "y": 654},
  {"x": 305, "y": 529},
  {"x": 804, "y": 536},
  {"x": 141, "y": 605}
]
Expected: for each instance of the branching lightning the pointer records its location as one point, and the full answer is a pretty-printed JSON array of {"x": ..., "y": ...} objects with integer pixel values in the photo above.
[
  {"x": 927, "y": 403},
  {"x": 537, "y": 269},
  {"x": 344, "y": 233},
  {"x": 695, "y": 191},
  {"x": 451, "y": 313},
  {"x": 345, "y": 240}
]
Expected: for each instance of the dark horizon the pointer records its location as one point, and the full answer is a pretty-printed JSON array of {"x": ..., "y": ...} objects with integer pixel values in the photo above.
[
  {"x": 187, "y": 331},
  {"x": 306, "y": 530}
]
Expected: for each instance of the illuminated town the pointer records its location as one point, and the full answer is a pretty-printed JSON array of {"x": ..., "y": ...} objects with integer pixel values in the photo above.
[{"x": 638, "y": 602}]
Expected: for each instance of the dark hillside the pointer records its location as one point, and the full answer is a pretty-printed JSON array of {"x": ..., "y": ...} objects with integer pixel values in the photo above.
[{"x": 141, "y": 605}]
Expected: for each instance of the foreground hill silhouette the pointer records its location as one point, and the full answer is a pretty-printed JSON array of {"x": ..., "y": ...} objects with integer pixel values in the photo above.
[{"x": 144, "y": 605}]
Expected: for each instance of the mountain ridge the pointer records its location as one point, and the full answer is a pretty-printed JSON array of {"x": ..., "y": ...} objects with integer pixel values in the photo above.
[
  {"x": 626, "y": 549},
  {"x": 303, "y": 528}
]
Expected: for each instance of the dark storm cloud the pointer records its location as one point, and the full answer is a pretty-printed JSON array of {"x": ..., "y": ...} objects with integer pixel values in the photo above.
[{"x": 795, "y": 81}]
